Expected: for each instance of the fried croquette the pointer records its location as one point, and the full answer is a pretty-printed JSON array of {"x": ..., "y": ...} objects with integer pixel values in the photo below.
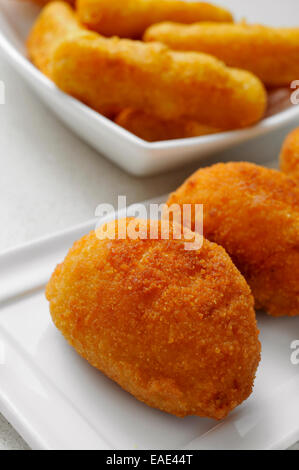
[
  {"x": 56, "y": 21},
  {"x": 253, "y": 212},
  {"x": 175, "y": 328},
  {"x": 272, "y": 54},
  {"x": 152, "y": 129},
  {"x": 110, "y": 75},
  {"x": 130, "y": 18},
  {"x": 289, "y": 156}
]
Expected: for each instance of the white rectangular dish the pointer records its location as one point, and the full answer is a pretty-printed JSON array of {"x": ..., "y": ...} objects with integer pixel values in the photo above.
[
  {"x": 123, "y": 148},
  {"x": 56, "y": 400}
]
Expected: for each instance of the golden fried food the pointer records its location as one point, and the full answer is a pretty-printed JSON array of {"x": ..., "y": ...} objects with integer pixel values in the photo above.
[
  {"x": 56, "y": 21},
  {"x": 112, "y": 74},
  {"x": 253, "y": 212},
  {"x": 152, "y": 129},
  {"x": 175, "y": 328},
  {"x": 289, "y": 156},
  {"x": 130, "y": 18},
  {"x": 170, "y": 85},
  {"x": 270, "y": 53}
]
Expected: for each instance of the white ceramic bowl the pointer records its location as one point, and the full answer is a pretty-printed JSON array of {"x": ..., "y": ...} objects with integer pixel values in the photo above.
[{"x": 123, "y": 148}]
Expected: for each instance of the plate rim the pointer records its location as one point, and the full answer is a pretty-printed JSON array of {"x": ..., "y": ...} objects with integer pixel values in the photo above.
[{"x": 18, "y": 420}]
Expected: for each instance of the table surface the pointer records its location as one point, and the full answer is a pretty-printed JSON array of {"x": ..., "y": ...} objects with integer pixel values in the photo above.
[{"x": 51, "y": 180}]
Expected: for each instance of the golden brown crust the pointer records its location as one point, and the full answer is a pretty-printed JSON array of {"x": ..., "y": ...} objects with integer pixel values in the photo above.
[
  {"x": 289, "y": 156},
  {"x": 130, "y": 18},
  {"x": 170, "y": 85},
  {"x": 270, "y": 53},
  {"x": 56, "y": 21},
  {"x": 175, "y": 328},
  {"x": 253, "y": 212},
  {"x": 152, "y": 129}
]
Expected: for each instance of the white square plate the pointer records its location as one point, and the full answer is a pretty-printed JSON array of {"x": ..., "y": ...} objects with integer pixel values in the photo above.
[
  {"x": 56, "y": 400},
  {"x": 125, "y": 149}
]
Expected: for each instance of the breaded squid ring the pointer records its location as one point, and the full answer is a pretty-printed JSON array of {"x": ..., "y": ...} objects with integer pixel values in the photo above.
[
  {"x": 152, "y": 129},
  {"x": 170, "y": 85},
  {"x": 112, "y": 74},
  {"x": 289, "y": 156},
  {"x": 56, "y": 21},
  {"x": 130, "y": 18},
  {"x": 272, "y": 54},
  {"x": 253, "y": 212},
  {"x": 175, "y": 328}
]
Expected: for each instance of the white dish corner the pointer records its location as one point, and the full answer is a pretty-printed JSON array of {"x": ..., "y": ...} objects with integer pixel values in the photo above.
[{"x": 134, "y": 155}]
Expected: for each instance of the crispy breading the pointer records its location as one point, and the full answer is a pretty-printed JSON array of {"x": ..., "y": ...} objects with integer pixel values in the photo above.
[
  {"x": 253, "y": 212},
  {"x": 56, "y": 21},
  {"x": 289, "y": 156},
  {"x": 270, "y": 53},
  {"x": 130, "y": 18},
  {"x": 175, "y": 328},
  {"x": 112, "y": 74},
  {"x": 152, "y": 129}
]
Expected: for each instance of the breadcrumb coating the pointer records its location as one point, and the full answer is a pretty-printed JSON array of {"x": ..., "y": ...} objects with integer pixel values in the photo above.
[
  {"x": 253, "y": 212},
  {"x": 130, "y": 18},
  {"x": 289, "y": 156},
  {"x": 175, "y": 328},
  {"x": 270, "y": 53}
]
